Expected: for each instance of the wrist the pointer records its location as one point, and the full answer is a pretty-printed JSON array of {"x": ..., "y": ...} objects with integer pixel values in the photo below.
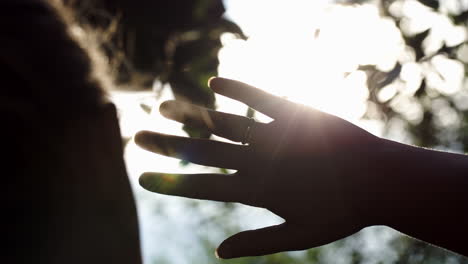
[
  {"x": 380, "y": 189},
  {"x": 422, "y": 193},
  {"x": 366, "y": 183},
  {"x": 409, "y": 184}
]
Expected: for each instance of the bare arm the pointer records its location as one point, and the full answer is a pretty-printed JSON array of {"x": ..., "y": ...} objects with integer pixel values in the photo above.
[{"x": 424, "y": 194}]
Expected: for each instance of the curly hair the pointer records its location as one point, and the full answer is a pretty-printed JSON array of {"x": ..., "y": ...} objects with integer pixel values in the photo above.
[{"x": 47, "y": 61}]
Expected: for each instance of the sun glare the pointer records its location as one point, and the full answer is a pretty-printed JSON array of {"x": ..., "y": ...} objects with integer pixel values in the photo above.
[{"x": 313, "y": 61}]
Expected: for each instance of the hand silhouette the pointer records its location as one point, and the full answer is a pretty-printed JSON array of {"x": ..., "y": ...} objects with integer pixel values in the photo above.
[{"x": 305, "y": 166}]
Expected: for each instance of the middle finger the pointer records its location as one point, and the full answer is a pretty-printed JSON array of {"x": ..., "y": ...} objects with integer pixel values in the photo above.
[{"x": 196, "y": 150}]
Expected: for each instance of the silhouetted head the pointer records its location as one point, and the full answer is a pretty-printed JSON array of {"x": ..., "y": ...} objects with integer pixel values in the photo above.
[{"x": 68, "y": 196}]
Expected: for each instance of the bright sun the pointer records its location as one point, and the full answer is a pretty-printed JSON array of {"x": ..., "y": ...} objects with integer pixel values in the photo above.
[{"x": 312, "y": 58}]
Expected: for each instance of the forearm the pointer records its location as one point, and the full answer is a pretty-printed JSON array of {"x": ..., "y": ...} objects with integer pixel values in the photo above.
[{"x": 424, "y": 193}]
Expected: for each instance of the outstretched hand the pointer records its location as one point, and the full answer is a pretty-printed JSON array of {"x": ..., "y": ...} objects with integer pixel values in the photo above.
[{"x": 306, "y": 166}]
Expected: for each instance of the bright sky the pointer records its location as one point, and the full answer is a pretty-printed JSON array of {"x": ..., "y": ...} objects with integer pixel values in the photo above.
[
  {"x": 298, "y": 49},
  {"x": 302, "y": 50}
]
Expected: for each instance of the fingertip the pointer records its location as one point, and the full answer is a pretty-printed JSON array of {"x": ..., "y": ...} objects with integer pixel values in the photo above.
[
  {"x": 224, "y": 251},
  {"x": 156, "y": 182},
  {"x": 145, "y": 180},
  {"x": 222, "y": 255},
  {"x": 142, "y": 137},
  {"x": 167, "y": 105},
  {"x": 210, "y": 80},
  {"x": 216, "y": 83},
  {"x": 225, "y": 86},
  {"x": 164, "y": 106}
]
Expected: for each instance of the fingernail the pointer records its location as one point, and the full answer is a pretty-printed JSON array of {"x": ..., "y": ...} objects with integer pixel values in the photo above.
[{"x": 211, "y": 79}]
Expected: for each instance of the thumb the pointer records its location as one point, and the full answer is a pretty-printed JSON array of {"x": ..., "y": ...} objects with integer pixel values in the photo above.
[{"x": 268, "y": 240}]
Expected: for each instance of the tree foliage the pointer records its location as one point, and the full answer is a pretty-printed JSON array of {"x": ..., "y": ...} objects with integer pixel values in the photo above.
[
  {"x": 175, "y": 41},
  {"x": 426, "y": 131}
]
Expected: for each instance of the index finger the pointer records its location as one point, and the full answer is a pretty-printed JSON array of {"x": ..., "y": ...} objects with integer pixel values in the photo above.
[{"x": 271, "y": 105}]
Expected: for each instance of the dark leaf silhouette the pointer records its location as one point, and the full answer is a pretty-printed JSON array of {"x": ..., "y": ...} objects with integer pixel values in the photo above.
[
  {"x": 462, "y": 18},
  {"x": 434, "y": 4}
]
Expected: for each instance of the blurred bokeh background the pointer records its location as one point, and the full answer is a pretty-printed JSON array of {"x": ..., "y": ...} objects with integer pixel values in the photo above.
[{"x": 397, "y": 68}]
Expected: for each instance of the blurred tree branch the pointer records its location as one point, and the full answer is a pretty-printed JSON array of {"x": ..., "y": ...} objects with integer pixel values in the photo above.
[{"x": 172, "y": 41}]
